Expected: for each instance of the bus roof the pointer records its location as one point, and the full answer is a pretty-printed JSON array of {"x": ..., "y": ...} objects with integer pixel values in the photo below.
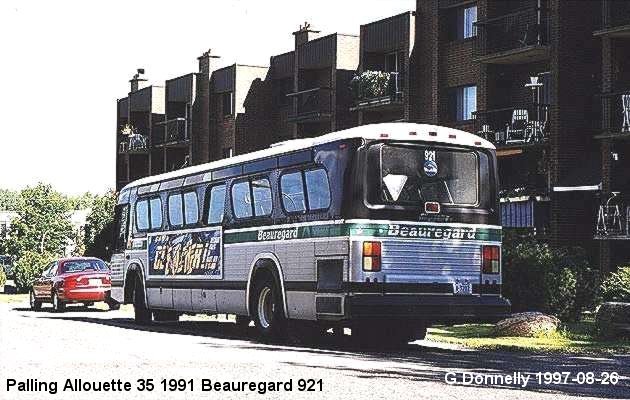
[{"x": 390, "y": 131}]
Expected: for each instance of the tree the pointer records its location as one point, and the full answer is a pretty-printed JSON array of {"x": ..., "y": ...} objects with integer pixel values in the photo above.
[
  {"x": 99, "y": 227},
  {"x": 8, "y": 200},
  {"x": 42, "y": 224}
]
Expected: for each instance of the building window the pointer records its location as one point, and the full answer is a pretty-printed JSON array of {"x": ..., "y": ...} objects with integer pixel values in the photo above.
[
  {"x": 462, "y": 25},
  {"x": 462, "y": 103},
  {"x": 228, "y": 152},
  {"x": 226, "y": 100}
]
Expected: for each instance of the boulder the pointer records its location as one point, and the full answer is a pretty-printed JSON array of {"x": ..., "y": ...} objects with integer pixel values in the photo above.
[
  {"x": 613, "y": 320},
  {"x": 528, "y": 324}
]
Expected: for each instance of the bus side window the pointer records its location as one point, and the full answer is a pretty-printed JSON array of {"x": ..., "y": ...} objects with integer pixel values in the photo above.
[
  {"x": 292, "y": 189},
  {"x": 142, "y": 215},
  {"x": 241, "y": 200},
  {"x": 175, "y": 216},
  {"x": 156, "y": 213},
  {"x": 216, "y": 204},
  {"x": 317, "y": 189},
  {"x": 121, "y": 228},
  {"x": 263, "y": 203},
  {"x": 191, "y": 208}
]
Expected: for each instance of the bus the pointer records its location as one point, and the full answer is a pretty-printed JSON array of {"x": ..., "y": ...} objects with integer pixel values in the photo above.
[{"x": 383, "y": 229}]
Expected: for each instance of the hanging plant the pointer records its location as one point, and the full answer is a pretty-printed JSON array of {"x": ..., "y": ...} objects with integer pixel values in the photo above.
[{"x": 370, "y": 84}]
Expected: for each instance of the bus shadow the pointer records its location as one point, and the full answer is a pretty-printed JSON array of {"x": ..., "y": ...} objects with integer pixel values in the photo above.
[{"x": 418, "y": 361}]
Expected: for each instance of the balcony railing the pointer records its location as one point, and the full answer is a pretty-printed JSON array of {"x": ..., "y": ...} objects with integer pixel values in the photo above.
[
  {"x": 177, "y": 130},
  {"x": 376, "y": 89},
  {"x": 616, "y": 114},
  {"x": 513, "y": 126},
  {"x": 312, "y": 105},
  {"x": 613, "y": 219},
  {"x": 135, "y": 143},
  {"x": 518, "y": 37}
]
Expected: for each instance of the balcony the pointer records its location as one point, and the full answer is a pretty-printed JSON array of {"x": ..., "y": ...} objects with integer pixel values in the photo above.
[
  {"x": 377, "y": 90},
  {"x": 173, "y": 132},
  {"x": 135, "y": 144},
  {"x": 613, "y": 219},
  {"x": 313, "y": 105},
  {"x": 615, "y": 115},
  {"x": 514, "y": 126},
  {"x": 517, "y": 38},
  {"x": 616, "y": 19}
]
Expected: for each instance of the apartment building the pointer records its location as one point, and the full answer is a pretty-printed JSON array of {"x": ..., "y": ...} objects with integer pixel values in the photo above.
[
  {"x": 612, "y": 218},
  {"x": 521, "y": 74},
  {"x": 191, "y": 119},
  {"x": 547, "y": 81}
]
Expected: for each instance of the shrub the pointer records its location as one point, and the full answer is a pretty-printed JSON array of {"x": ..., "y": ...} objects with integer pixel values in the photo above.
[
  {"x": 617, "y": 286},
  {"x": 28, "y": 268},
  {"x": 370, "y": 84},
  {"x": 537, "y": 277}
]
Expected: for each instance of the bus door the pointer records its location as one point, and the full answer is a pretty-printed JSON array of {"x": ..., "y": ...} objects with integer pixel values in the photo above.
[{"x": 118, "y": 260}]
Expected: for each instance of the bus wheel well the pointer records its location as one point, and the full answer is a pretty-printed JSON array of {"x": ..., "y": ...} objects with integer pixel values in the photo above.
[
  {"x": 263, "y": 268},
  {"x": 130, "y": 283}
]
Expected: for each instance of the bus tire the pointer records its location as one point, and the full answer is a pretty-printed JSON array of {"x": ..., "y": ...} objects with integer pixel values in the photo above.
[
  {"x": 142, "y": 314},
  {"x": 267, "y": 308},
  {"x": 242, "y": 321}
]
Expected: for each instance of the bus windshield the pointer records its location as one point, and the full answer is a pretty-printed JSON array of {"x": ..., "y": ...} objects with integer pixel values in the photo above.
[{"x": 411, "y": 175}]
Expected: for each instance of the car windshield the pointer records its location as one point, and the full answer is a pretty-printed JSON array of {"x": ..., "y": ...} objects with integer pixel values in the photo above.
[
  {"x": 413, "y": 175},
  {"x": 84, "y": 265}
]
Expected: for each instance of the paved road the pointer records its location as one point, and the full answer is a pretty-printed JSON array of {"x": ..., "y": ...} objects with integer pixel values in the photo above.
[{"x": 95, "y": 345}]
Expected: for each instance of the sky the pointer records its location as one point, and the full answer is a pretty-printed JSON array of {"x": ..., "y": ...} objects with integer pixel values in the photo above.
[{"x": 64, "y": 63}]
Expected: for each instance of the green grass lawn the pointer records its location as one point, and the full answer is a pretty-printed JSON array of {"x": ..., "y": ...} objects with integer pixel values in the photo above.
[{"x": 575, "y": 337}]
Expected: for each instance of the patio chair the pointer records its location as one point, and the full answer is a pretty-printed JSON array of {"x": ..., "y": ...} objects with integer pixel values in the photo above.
[{"x": 517, "y": 131}]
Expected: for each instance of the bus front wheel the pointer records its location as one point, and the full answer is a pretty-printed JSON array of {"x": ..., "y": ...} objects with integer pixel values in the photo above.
[{"x": 267, "y": 310}]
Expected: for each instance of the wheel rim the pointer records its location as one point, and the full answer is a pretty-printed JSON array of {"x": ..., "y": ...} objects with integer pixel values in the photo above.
[
  {"x": 55, "y": 301},
  {"x": 265, "y": 307},
  {"x": 32, "y": 299}
]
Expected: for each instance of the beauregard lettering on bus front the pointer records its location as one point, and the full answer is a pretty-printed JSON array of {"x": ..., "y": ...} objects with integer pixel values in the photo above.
[
  {"x": 282, "y": 234},
  {"x": 432, "y": 232}
]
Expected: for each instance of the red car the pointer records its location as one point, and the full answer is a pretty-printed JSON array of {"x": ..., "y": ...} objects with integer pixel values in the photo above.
[{"x": 73, "y": 280}]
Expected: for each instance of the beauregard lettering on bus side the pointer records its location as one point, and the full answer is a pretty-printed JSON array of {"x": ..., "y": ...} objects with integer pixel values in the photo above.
[{"x": 282, "y": 234}]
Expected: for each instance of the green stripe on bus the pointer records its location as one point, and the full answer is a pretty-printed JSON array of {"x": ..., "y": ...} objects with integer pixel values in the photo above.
[{"x": 434, "y": 232}]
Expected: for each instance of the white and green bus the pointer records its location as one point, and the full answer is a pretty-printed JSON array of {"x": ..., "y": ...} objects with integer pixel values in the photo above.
[{"x": 383, "y": 228}]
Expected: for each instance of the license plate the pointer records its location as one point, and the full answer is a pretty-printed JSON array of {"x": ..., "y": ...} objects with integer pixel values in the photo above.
[
  {"x": 95, "y": 282},
  {"x": 462, "y": 286}
]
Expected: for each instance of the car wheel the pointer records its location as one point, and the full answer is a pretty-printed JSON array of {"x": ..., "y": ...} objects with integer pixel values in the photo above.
[
  {"x": 58, "y": 305},
  {"x": 142, "y": 314},
  {"x": 35, "y": 304},
  {"x": 267, "y": 309}
]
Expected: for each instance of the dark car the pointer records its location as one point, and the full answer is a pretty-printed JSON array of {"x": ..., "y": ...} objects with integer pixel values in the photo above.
[{"x": 73, "y": 280}]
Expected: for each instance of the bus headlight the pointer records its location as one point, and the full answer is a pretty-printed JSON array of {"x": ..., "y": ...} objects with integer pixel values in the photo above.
[{"x": 372, "y": 256}]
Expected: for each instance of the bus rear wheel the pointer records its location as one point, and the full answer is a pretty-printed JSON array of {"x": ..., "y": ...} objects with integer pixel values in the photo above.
[
  {"x": 142, "y": 314},
  {"x": 267, "y": 310}
]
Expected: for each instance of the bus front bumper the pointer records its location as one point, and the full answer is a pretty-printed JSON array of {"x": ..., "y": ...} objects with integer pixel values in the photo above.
[{"x": 432, "y": 308}]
